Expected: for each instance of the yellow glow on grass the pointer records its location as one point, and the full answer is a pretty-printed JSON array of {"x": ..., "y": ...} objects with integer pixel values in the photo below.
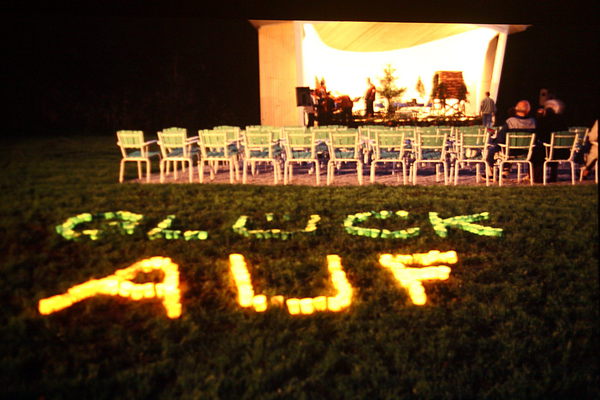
[
  {"x": 246, "y": 297},
  {"x": 120, "y": 284},
  {"x": 411, "y": 278}
]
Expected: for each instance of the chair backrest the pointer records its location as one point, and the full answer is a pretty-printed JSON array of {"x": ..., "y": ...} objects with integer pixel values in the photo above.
[
  {"x": 175, "y": 130},
  {"x": 389, "y": 145},
  {"x": 130, "y": 139},
  {"x": 472, "y": 145},
  {"x": 364, "y": 129},
  {"x": 300, "y": 145},
  {"x": 372, "y": 131},
  {"x": 277, "y": 132},
  {"x": 565, "y": 140},
  {"x": 581, "y": 132},
  {"x": 214, "y": 144},
  {"x": 519, "y": 141},
  {"x": 294, "y": 129},
  {"x": 426, "y": 130},
  {"x": 410, "y": 132},
  {"x": 431, "y": 146},
  {"x": 344, "y": 145},
  {"x": 470, "y": 130},
  {"x": 220, "y": 127},
  {"x": 449, "y": 131},
  {"x": 322, "y": 132},
  {"x": 173, "y": 141},
  {"x": 258, "y": 145}
]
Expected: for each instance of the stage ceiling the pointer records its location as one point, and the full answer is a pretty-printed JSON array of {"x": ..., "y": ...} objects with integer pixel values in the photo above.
[{"x": 344, "y": 53}]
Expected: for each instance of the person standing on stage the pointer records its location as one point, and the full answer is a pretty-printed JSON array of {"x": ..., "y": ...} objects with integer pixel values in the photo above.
[
  {"x": 311, "y": 109},
  {"x": 487, "y": 109},
  {"x": 370, "y": 98},
  {"x": 345, "y": 103}
]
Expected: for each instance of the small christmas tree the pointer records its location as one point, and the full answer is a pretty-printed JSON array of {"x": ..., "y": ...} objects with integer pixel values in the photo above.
[{"x": 388, "y": 87}]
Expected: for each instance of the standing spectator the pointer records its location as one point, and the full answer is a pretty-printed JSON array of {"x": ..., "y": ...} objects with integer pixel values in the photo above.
[{"x": 487, "y": 109}]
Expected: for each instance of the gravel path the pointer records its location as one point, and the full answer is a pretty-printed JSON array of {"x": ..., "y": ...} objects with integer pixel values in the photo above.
[{"x": 347, "y": 176}]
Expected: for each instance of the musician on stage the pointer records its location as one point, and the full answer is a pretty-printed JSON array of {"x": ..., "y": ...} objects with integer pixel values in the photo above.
[{"x": 370, "y": 98}]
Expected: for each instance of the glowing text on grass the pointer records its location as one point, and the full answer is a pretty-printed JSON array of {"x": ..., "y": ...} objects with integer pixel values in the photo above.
[{"x": 121, "y": 284}]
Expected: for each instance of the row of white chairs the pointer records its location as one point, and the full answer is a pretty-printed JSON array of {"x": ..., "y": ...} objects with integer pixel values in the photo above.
[{"x": 406, "y": 147}]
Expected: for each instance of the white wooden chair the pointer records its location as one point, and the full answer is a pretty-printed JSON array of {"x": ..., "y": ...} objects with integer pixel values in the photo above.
[
  {"x": 560, "y": 150},
  {"x": 215, "y": 148},
  {"x": 260, "y": 147},
  {"x": 135, "y": 149},
  {"x": 517, "y": 149},
  {"x": 389, "y": 147},
  {"x": 300, "y": 148},
  {"x": 344, "y": 147},
  {"x": 176, "y": 148}
]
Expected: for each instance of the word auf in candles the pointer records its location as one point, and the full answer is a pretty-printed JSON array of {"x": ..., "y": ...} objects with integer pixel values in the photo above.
[{"x": 121, "y": 284}]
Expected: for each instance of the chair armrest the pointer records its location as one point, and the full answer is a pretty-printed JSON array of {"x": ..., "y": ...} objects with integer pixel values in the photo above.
[
  {"x": 149, "y": 142},
  {"x": 192, "y": 139}
]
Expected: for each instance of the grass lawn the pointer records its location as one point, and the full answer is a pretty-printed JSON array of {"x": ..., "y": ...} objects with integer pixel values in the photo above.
[{"x": 517, "y": 318}]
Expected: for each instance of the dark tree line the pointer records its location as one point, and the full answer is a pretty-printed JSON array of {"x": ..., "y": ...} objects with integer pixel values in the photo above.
[{"x": 97, "y": 75}]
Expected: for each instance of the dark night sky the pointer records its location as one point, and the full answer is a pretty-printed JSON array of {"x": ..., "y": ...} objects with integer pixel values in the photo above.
[{"x": 126, "y": 65}]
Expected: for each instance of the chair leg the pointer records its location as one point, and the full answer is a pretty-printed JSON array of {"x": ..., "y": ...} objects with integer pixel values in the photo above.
[
  {"x": 244, "y": 172},
  {"x": 415, "y": 168},
  {"x": 456, "y": 168},
  {"x": 148, "y": 171},
  {"x": 162, "y": 170},
  {"x": 139, "y": 167},
  {"x": 359, "y": 171},
  {"x": 445, "y": 167},
  {"x": 317, "y": 173},
  {"x": 212, "y": 171},
  {"x": 544, "y": 176},
  {"x": 572, "y": 172},
  {"x": 275, "y": 172},
  {"x": 373, "y": 166},
  {"x": 530, "y": 174},
  {"x": 121, "y": 170}
]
